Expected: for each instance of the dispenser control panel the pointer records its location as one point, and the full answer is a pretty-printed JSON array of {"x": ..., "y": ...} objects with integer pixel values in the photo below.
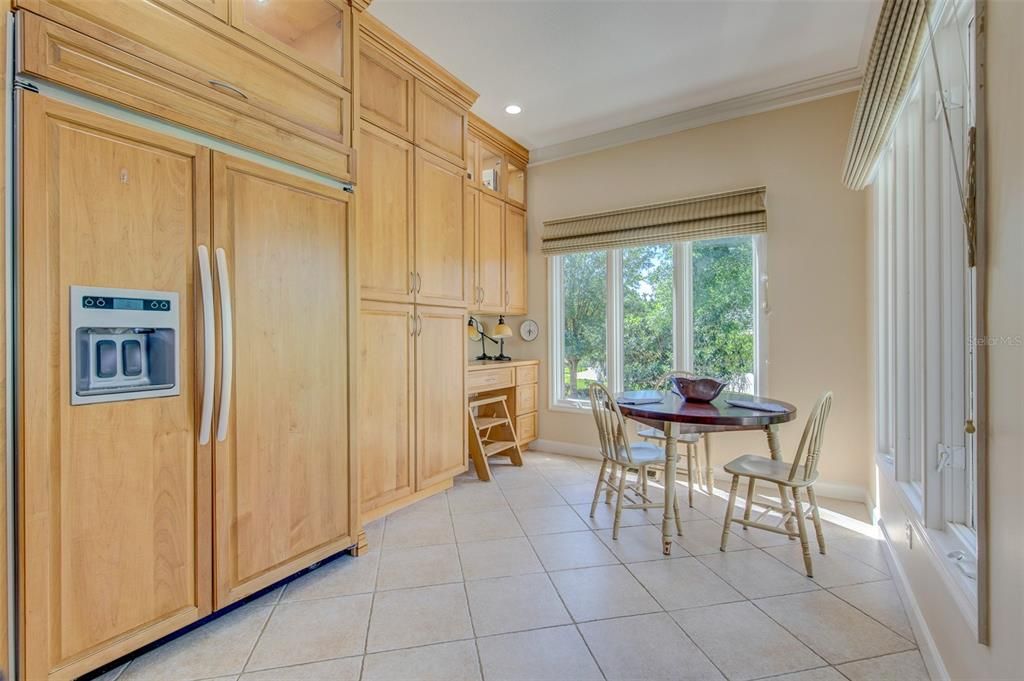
[{"x": 139, "y": 304}]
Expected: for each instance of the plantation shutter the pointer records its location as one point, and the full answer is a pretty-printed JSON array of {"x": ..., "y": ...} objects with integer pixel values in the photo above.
[
  {"x": 704, "y": 217},
  {"x": 899, "y": 42}
]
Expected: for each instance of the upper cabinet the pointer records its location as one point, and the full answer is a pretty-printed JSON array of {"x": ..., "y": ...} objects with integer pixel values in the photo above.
[
  {"x": 492, "y": 164},
  {"x": 496, "y": 163},
  {"x": 440, "y": 125},
  {"x": 218, "y": 8},
  {"x": 515, "y": 181},
  {"x": 386, "y": 92},
  {"x": 315, "y": 33}
]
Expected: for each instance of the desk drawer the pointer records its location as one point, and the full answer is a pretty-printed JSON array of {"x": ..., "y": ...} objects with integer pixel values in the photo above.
[
  {"x": 489, "y": 379},
  {"x": 526, "y": 374},
  {"x": 526, "y": 427},
  {"x": 526, "y": 398}
]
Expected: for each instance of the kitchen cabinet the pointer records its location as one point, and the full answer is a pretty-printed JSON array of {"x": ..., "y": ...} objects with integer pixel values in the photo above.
[
  {"x": 490, "y": 255},
  {"x": 285, "y": 496},
  {"x": 515, "y": 260},
  {"x": 218, "y": 8},
  {"x": 315, "y": 33},
  {"x": 386, "y": 93},
  {"x": 115, "y": 505},
  {"x": 492, "y": 167},
  {"x": 443, "y": 246},
  {"x": 440, "y": 125},
  {"x": 385, "y": 217},
  {"x": 386, "y": 409},
  {"x": 440, "y": 394},
  {"x": 515, "y": 181}
]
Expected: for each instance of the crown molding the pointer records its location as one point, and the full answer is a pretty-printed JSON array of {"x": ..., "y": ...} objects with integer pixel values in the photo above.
[
  {"x": 819, "y": 87},
  {"x": 482, "y": 129}
]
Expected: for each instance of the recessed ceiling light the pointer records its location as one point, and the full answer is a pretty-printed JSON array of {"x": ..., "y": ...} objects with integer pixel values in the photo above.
[{"x": 513, "y": 109}]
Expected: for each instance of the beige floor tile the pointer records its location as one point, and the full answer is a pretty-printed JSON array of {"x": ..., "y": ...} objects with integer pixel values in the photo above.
[
  {"x": 683, "y": 583},
  {"x": 571, "y": 550},
  {"x": 744, "y": 642},
  {"x": 557, "y": 654},
  {"x": 601, "y": 592},
  {"x": 819, "y": 674},
  {"x": 415, "y": 617},
  {"x": 881, "y": 601},
  {"x": 755, "y": 574},
  {"x": 345, "y": 669},
  {"x": 533, "y": 496},
  {"x": 498, "y": 558},
  {"x": 418, "y": 566},
  {"x": 865, "y": 549},
  {"x": 580, "y": 493},
  {"x": 112, "y": 674},
  {"x": 344, "y": 576},
  {"x": 550, "y": 520},
  {"x": 486, "y": 525},
  {"x": 456, "y": 661},
  {"x": 310, "y": 631},
  {"x": 642, "y": 542},
  {"x": 831, "y": 627},
  {"x": 701, "y": 537},
  {"x": 424, "y": 529},
  {"x": 647, "y": 647},
  {"x": 219, "y": 647},
  {"x": 435, "y": 504},
  {"x": 763, "y": 538},
  {"x": 510, "y": 477},
  {"x": 832, "y": 569},
  {"x": 507, "y": 604},
  {"x": 269, "y": 598},
  {"x": 374, "y": 534},
  {"x": 604, "y": 516},
  {"x": 574, "y": 476},
  {"x": 475, "y": 497},
  {"x": 906, "y": 666}
]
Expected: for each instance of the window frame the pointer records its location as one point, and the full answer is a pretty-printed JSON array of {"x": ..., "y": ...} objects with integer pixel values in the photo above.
[{"x": 682, "y": 319}]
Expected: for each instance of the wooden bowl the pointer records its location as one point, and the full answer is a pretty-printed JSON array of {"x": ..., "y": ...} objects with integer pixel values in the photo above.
[{"x": 698, "y": 389}]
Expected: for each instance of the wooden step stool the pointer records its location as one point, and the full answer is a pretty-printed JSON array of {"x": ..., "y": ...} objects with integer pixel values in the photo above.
[{"x": 490, "y": 433}]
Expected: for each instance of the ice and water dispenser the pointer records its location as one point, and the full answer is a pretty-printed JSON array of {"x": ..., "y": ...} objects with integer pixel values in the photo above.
[{"x": 124, "y": 344}]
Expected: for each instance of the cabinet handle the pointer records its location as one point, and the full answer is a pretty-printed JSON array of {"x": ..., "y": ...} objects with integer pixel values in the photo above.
[
  {"x": 221, "y": 85},
  {"x": 506, "y": 298},
  {"x": 227, "y": 345},
  {"x": 419, "y": 325},
  {"x": 209, "y": 358},
  {"x": 412, "y": 283},
  {"x": 412, "y": 325},
  {"x": 419, "y": 282}
]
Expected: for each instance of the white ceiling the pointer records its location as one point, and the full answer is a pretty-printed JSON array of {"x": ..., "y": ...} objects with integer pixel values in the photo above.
[{"x": 581, "y": 68}]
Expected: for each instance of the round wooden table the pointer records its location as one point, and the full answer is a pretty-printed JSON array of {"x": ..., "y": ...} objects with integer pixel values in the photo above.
[{"x": 674, "y": 415}]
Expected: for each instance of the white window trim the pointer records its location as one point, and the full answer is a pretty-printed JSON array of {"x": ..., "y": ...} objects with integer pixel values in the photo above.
[{"x": 682, "y": 345}]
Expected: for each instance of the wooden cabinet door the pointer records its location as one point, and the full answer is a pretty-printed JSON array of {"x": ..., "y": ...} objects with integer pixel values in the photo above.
[
  {"x": 114, "y": 508},
  {"x": 491, "y": 254},
  {"x": 515, "y": 261},
  {"x": 386, "y": 93},
  {"x": 440, "y": 394},
  {"x": 440, "y": 125},
  {"x": 218, "y": 8},
  {"x": 444, "y": 256},
  {"x": 285, "y": 495},
  {"x": 385, "y": 216},
  {"x": 386, "y": 390}
]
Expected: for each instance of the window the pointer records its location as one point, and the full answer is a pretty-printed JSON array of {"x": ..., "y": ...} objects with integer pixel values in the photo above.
[
  {"x": 925, "y": 301},
  {"x": 624, "y": 317}
]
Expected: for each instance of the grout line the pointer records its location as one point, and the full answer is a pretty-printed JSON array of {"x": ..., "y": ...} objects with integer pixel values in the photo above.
[
  {"x": 465, "y": 590},
  {"x": 373, "y": 597},
  {"x": 256, "y": 641}
]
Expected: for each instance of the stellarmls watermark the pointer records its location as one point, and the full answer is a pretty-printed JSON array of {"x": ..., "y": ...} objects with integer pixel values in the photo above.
[{"x": 1012, "y": 341}]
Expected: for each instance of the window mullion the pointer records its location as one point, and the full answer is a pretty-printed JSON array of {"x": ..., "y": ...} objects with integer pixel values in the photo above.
[{"x": 614, "y": 314}]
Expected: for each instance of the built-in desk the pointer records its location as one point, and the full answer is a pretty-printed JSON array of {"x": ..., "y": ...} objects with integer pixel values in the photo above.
[{"x": 517, "y": 380}]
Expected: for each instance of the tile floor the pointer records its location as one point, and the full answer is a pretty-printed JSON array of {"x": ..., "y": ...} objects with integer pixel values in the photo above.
[{"x": 512, "y": 580}]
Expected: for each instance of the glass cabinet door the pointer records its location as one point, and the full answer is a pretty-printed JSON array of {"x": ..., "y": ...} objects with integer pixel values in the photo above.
[
  {"x": 473, "y": 160},
  {"x": 515, "y": 182},
  {"x": 313, "y": 32},
  {"x": 491, "y": 168}
]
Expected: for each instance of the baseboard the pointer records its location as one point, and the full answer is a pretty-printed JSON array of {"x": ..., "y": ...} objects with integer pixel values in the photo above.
[
  {"x": 925, "y": 642},
  {"x": 832, "y": 490}
]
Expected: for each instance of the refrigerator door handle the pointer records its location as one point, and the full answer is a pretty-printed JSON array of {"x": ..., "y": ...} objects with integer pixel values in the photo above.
[
  {"x": 227, "y": 352},
  {"x": 209, "y": 358}
]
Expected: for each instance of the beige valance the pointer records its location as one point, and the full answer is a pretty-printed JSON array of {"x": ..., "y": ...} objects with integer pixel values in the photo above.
[
  {"x": 702, "y": 217},
  {"x": 896, "y": 51}
]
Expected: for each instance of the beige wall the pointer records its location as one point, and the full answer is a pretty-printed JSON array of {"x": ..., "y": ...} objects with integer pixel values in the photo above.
[
  {"x": 963, "y": 658},
  {"x": 817, "y": 259}
]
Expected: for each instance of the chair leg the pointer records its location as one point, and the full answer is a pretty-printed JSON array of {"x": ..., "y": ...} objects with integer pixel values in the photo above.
[
  {"x": 801, "y": 527},
  {"x": 729, "y": 511},
  {"x": 749, "y": 505},
  {"x": 643, "y": 484},
  {"x": 597, "y": 487},
  {"x": 817, "y": 519},
  {"x": 709, "y": 470},
  {"x": 679, "y": 520},
  {"x": 618, "y": 502},
  {"x": 613, "y": 467},
  {"x": 689, "y": 473}
]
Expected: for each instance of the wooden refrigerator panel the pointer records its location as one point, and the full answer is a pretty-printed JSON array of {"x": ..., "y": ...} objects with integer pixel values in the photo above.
[
  {"x": 385, "y": 411},
  {"x": 440, "y": 394},
  {"x": 115, "y": 497},
  {"x": 283, "y": 474}
]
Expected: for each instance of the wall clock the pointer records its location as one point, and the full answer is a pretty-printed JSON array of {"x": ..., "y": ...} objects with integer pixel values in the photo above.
[{"x": 529, "y": 330}]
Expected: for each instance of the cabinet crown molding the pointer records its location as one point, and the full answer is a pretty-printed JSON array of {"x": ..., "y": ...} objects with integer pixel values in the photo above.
[
  {"x": 375, "y": 33},
  {"x": 483, "y": 130}
]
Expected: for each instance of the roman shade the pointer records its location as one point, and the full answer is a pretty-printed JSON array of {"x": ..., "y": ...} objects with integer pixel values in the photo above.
[
  {"x": 703, "y": 217},
  {"x": 899, "y": 42}
]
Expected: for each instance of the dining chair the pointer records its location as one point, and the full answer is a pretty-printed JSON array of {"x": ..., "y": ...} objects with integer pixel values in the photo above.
[
  {"x": 690, "y": 441},
  {"x": 619, "y": 457},
  {"x": 796, "y": 477}
]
